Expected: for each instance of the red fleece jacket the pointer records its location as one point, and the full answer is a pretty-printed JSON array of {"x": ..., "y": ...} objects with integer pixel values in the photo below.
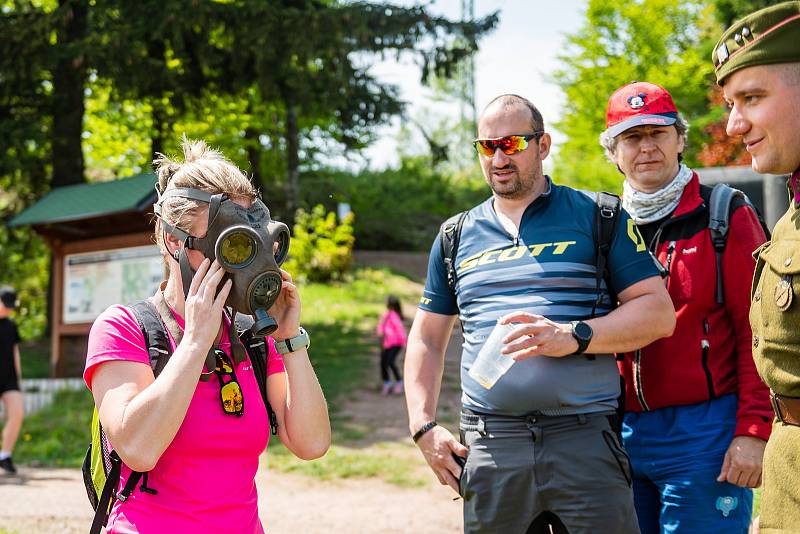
[{"x": 709, "y": 354}]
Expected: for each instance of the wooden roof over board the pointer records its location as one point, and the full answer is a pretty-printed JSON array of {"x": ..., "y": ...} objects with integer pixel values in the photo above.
[{"x": 93, "y": 210}]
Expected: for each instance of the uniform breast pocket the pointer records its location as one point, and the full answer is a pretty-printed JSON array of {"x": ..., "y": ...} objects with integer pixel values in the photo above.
[
  {"x": 779, "y": 285},
  {"x": 775, "y": 310}
]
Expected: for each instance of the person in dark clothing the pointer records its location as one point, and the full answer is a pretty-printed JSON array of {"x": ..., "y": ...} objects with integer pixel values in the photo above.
[{"x": 10, "y": 378}]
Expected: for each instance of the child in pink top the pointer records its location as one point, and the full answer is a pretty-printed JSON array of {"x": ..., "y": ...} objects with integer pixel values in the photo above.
[{"x": 393, "y": 339}]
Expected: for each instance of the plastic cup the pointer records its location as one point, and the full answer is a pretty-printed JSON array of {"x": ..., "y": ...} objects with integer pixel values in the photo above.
[{"x": 490, "y": 365}]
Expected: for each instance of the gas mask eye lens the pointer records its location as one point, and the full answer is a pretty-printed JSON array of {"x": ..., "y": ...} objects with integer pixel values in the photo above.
[{"x": 237, "y": 249}]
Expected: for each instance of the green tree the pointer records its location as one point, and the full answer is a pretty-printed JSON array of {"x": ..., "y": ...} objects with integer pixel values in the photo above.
[
  {"x": 729, "y": 11},
  {"x": 717, "y": 149},
  {"x": 320, "y": 76},
  {"x": 653, "y": 40},
  {"x": 69, "y": 71},
  {"x": 25, "y": 88}
]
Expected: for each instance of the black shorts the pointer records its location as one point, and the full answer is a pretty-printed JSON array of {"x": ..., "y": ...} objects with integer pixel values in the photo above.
[{"x": 9, "y": 385}]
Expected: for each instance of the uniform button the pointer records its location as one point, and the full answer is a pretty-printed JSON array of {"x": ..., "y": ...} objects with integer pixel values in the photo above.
[
  {"x": 755, "y": 341},
  {"x": 757, "y": 295},
  {"x": 745, "y": 32},
  {"x": 788, "y": 262}
]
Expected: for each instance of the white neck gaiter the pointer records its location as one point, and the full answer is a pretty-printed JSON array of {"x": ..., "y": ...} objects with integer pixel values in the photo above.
[{"x": 650, "y": 207}]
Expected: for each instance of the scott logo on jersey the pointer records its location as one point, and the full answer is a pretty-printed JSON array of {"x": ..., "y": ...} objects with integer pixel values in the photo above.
[{"x": 514, "y": 253}]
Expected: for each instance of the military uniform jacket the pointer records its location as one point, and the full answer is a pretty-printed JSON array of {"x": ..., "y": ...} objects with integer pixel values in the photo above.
[
  {"x": 775, "y": 310},
  {"x": 775, "y": 320}
]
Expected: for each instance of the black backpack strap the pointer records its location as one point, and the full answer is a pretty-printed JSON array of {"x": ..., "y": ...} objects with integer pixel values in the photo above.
[
  {"x": 107, "y": 496},
  {"x": 256, "y": 348},
  {"x": 155, "y": 334},
  {"x": 451, "y": 235},
  {"x": 130, "y": 485},
  {"x": 724, "y": 200},
  {"x": 719, "y": 216},
  {"x": 606, "y": 217}
]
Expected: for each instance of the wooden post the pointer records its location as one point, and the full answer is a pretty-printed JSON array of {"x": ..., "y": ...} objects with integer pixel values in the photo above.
[{"x": 55, "y": 312}]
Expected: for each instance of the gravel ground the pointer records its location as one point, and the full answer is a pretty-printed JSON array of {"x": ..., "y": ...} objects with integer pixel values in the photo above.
[
  {"x": 54, "y": 501},
  {"x": 44, "y": 500}
]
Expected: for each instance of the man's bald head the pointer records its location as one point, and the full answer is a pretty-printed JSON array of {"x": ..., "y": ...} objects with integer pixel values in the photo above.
[{"x": 511, "y": 101}]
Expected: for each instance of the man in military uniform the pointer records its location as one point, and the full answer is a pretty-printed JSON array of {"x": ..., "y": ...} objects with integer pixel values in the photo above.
[{"x": 757, "y": 63}]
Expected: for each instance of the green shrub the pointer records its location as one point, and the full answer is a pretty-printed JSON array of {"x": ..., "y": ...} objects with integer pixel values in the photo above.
[
  {"x": 321, "y": 248},
  {"x": 25, "y": 265}
]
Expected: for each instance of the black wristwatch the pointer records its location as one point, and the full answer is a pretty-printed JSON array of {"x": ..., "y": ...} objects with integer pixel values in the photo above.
[{"x": 582, "y": 333}]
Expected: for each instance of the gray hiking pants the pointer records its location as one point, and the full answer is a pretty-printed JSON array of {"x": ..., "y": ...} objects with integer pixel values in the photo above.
[{"x": 525, "y": 473}]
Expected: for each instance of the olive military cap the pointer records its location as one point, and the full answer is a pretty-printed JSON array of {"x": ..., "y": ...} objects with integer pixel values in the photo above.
[{"x": 770, "y": 35}]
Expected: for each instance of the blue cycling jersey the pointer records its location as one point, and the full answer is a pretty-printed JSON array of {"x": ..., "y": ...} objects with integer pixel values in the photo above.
[{"x": 549, "y": 270}]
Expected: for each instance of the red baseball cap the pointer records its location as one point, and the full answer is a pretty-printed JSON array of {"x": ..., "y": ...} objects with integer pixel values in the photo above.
[{"x": 639, "y": 104}]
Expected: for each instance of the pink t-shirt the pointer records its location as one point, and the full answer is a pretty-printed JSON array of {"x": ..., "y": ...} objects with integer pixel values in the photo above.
[
  {"x": 392, "y": 329},
  {"x": 206, "y": 477}
]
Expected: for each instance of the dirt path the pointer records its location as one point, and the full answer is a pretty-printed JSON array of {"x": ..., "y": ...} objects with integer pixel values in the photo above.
[
  {"x": 54, "y": 500},
  {"x": 50, "y": 501}
]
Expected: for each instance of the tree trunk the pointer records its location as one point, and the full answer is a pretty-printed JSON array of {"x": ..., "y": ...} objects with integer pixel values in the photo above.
[
  {"x": 69, "y": 77},
  {"x": 156, "y": 51},
  {"x": 292, "y": 157},
  {"x": 254, "y": 149},
  {"x": 157, "y": 140}
]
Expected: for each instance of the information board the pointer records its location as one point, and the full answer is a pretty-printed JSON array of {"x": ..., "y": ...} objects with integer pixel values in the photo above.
[{"x": 93, "y": 281}]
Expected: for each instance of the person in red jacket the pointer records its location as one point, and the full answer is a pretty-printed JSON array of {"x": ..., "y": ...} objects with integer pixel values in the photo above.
[{"x": 697, "y": 414}]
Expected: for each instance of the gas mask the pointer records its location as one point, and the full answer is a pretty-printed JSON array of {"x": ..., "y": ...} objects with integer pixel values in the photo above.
[{"x": 242, "y": 240}]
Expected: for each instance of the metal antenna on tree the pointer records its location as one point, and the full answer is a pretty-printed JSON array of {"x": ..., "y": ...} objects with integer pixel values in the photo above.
[{"x": 467, "y": 81}]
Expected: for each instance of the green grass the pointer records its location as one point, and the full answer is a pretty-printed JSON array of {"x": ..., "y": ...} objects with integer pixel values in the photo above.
[
  {"x": 388, "y": 462},
  {"x": 339, "y": 317},
  {"x": 756, "y": 501},
  {"x": 58, "y": 435},
  {"x": 35, "y": 356}
]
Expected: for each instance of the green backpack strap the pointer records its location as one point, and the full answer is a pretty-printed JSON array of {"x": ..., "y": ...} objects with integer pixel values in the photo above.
[
  {"x": 107, "y": 496},
  {"x": 101, "y": 467}
]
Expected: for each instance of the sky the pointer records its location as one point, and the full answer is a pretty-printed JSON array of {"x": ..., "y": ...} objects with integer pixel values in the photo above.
[{"x": 532, "y": 30}]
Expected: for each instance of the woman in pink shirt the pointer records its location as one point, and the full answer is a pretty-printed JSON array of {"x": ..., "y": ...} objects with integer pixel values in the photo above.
[
  {"x": 200, "y": 457},
  {"x": 393, "y": 339}
]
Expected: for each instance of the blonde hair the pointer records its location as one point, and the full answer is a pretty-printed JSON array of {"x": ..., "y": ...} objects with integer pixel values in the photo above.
[{"x": 202, "y": 168}]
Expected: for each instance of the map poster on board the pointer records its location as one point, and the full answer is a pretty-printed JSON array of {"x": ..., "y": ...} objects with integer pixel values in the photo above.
[{"x": 93, "y": 281}]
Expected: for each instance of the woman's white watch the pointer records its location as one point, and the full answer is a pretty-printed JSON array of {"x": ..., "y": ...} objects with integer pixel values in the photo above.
[{"x": 300, "y": 341}]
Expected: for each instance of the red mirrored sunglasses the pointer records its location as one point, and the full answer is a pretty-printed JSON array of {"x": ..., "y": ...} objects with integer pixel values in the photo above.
[{"x": 510, "y": 144}]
